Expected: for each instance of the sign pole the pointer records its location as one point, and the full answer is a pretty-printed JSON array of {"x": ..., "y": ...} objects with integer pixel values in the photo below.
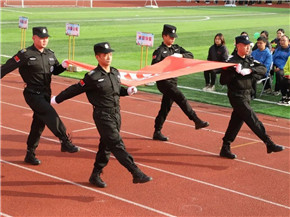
[
  {"x": 141, "y": 59},
  {"x": 23, "y": 25},
  {"x": 73, "y": 48},
  {"x": 146, "y": 56},
  {"x": 69, "y": 46}
]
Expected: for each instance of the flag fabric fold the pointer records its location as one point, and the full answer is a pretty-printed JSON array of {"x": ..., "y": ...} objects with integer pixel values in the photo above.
[{"x": 168, "y": 68}]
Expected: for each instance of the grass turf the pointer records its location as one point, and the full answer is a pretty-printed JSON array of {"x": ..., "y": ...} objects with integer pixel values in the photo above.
[{"x": 196, "y": 28}]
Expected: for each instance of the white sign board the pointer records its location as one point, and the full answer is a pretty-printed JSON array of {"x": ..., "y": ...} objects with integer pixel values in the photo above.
[
  {"x": 23, "y": 22},
  {"x": 144, "y": 39},
  {"x": 72, "y": 29}
]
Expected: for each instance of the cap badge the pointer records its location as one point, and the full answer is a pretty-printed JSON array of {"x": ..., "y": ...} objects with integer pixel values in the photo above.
[
  {"x": 107, "y": 46},
  {"x": 44, "y": 31},
  {"x": 173, "y": 31}
]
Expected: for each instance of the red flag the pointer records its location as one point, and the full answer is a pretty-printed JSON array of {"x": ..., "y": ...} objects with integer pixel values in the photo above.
[{"x": 168, "y": 68}]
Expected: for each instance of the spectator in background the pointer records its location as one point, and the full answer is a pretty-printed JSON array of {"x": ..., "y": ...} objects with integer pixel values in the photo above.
[
  {"x": 217, "y": 52},
  {"x": 280, "y": 58},
  {"x": 264, "y": 56},
  {"x": 285, "y": 85},
  {"x": 265, "y": 34},
  {"x": 275, "y": 43}
]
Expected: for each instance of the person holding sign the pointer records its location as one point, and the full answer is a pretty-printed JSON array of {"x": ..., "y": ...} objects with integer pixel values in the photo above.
[
  {"x": 168, "y": 87},
  {"x": 103, "y": 89},
  {"x": 36, "y": 65}
]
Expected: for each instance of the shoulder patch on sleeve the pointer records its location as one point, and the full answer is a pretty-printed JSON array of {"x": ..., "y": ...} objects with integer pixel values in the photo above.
[
  {"x": 82, "y": 83},
  {"x": 16, "y": 58}
]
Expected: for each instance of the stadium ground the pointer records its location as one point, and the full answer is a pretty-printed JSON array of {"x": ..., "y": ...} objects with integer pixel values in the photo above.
[{"x": 189, "y": 179}]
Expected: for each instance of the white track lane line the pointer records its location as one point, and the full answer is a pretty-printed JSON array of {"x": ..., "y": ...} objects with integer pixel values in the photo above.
[
  {"x": 163, "y": 171},
  {"x": 88, "y": 188},
  {"x": 170, "y": 143}
]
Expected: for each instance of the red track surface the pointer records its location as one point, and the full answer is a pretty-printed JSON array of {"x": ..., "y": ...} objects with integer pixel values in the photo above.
[{"x": 189, "y": 179}]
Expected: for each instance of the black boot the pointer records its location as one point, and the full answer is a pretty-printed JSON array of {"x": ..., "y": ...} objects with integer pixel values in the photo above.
[
  {"x": 159, "y": 136},
  {"x": 67, "y": 146},
  {"x": 272, "y": 147},
  {"x": 96, "y": 180},
  {"x": 140, "y": 177},
  {"x": 199, "y": 123},
  {"x": 226, "y": 152},
  {"x": 30, "y": 158}
]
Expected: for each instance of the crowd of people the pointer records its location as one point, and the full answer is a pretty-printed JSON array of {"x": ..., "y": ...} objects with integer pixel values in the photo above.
[
  {"x": 274, "y": 55},
  {"x": 103, "y": 89}
]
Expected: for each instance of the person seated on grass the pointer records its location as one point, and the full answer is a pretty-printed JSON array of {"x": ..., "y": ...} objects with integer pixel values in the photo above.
[
  {"x": 264, "y": 56},
  {"x": 285, "y": 85},
  {"x": 280, "y": 58},
  {"x": 217, "y": 52}
]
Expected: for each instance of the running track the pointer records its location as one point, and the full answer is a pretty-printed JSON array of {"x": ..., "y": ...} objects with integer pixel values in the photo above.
[{"x": 189, "y": 179}]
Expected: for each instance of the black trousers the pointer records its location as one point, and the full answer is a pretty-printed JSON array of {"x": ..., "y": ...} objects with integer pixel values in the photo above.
[
  {"x": 171, "y": 94},
  {"x": 242, "y": 112},
  {"x": 210, "y": 77},
  {"x": 279, "y": 78},
  {"x": 108, "y": 123},
  {"x": 43, "y": 115},
  {"x": 285, "y": 87}
]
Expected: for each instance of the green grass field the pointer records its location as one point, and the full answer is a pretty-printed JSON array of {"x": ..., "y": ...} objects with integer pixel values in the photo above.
[{"x": 196, "y": 28}]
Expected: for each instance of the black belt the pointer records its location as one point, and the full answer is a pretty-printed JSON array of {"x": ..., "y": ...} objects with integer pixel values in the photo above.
[
  {"x": 37, "y": 89},
  {"x": 112, "y": 110}
]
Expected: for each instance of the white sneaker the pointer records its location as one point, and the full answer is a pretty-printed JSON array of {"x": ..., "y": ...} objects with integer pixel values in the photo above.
[
  {"x": 211, "y": 88},
  {"x": 205, "y": 88},
  {"x": 276, "y": 93}
]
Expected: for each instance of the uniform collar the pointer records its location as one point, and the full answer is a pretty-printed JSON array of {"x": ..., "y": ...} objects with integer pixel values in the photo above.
[
  {"x": 102, "y": 70},
  {"x": 35, "y": 49}
]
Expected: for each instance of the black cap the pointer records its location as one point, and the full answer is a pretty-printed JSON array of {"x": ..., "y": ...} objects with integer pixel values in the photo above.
[
  {"x": 103, "y": 47},
  {"x": 243, "y": 39},
  {"x": 40, "y": 32},
  {"x": 169, "y": 30}
]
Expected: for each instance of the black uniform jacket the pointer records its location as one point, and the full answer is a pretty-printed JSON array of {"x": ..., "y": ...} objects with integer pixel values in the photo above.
[
  {"x": 238, "y": 85},
  {"x": 35, "y": 68},
  {"x": 103, "y": 89},
  {"x": 218, "y": 53},
  {"x": 163, "y": 51}
]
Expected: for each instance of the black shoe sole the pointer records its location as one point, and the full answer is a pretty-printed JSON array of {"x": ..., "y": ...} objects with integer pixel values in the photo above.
[
  {"x": 228, "y": 156},
  {"x": 269, "y": 151},
  {"x": 96, "y": 184},
  {"x": 140, "y": 181},
  {"x": 206, "y": 124},
  {"x": 165, "y": 139},
  {"x": 35, "y": 163},
  {"x": 70, "y": 150}
]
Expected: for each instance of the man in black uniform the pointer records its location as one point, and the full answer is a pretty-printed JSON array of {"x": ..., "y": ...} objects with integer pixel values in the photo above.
[
  {"x": 168, "y": 87},
  {"x": 36, "y": 65},
  {"x": 103, "y": 90},
  {"x": 239, "y": 81}
]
